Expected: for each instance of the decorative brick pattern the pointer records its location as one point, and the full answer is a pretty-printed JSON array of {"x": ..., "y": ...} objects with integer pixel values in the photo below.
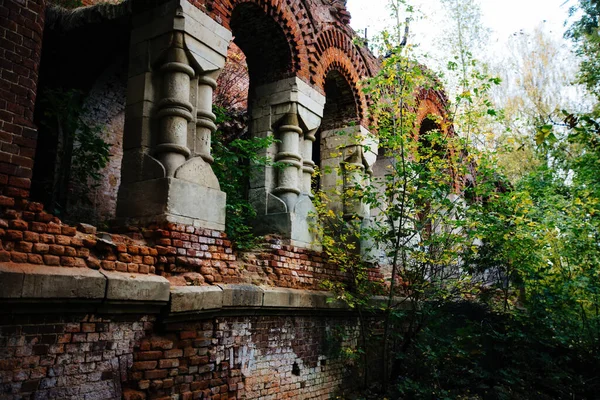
[{"x": 21, "y": 27}]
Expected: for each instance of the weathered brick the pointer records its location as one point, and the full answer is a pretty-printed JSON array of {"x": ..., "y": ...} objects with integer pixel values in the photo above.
[{"x": 144, "y": 365}]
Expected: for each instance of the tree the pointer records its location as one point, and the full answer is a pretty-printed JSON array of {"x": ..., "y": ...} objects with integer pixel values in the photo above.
[
  {"x": 416, "y": 231},
  {"x": 584, "y": 33},
  {"x": 538, "y": 76},
  {"x": 491, "y": 286}
]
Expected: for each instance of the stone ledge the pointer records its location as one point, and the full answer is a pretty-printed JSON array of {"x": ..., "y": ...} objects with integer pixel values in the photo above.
[
  {"x": 138, "y": 287},
  {"x": 191, "y": 299},
  {"x": 36, "y": 282},
  {"x": 27, "y": 281},
  {"x": 195, "y": 298}
]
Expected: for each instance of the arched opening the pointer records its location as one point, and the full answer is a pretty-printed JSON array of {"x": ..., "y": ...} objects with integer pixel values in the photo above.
[
  {"x": 340, "y": 105},
  {"x": 259, "y": 54},
  {"x": 339, "y": 114},
  {"x": 428, "y": 127},
  {"x": 432, "y": 148},
  {"x": 80, "y": 110},
  {"x": 264, "y": 44}
]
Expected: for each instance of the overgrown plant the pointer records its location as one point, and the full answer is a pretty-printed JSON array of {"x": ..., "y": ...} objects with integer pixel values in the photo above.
[
  {"x": 236, "y": 159},
  {"x": 416, "y": 229},
  {"x": 492, "y": 287}
]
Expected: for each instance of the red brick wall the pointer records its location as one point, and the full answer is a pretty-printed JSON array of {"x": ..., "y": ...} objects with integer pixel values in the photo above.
[
  {"x": 183, "y": 254},
  {"x": 67, "y": 357},
  {"x": 21, "y": 29},
  {"x": 101, "y": 357},
  {"x": 242, "y": 357}
]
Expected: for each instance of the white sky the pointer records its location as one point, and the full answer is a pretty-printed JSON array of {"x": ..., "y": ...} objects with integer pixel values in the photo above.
[{"x": 504, "y": 17}]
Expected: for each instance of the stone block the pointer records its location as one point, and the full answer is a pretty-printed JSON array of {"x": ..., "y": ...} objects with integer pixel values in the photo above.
[
  {"x": 294, "y": 298},
  {"x": 200, "y": 29},
  {"x": 242, "y": 296},
  {"x": 292, "y": 90},
  {"x": 136, "y": 287},
  {"x": 173, "y": 197},
  {"x": 11, "y": 280},
  {"x": 41, "y": 282},
  {"x": 196, "y": 298}
]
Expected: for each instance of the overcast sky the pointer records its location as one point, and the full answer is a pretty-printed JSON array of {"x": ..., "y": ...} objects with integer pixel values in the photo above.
[{"x": 504, "y": 17}]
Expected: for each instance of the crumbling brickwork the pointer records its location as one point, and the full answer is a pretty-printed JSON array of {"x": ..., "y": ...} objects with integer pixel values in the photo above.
[{"x": 184, "y": 254}]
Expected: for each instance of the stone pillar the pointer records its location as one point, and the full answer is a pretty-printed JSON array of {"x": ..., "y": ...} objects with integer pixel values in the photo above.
[
  {"x": 347, "y": 153},
  {"x": 308, "y": 164},
  {"x": 205, "y": 123},
  {"x": 289, "y": 134},
  {"x": 355, "y": 168},
  {"x": 174, "y": 108},
  {"x": 291, "y": 111},
  {"x": 176, "y": 54}
]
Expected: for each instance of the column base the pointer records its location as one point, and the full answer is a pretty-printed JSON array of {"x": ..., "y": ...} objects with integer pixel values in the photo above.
[
  {"x": 295, "y": 226},
  {"x": 172, "y": 200}
]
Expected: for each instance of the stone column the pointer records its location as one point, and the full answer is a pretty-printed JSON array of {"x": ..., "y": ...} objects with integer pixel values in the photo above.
[
  {"x": 205, "y": 123},
  {"x": 347, "y": 153},
  {"x": 354, "y": 168},
  {"x": 176, "y": 54},
  {"x": 174, "y": 108},
  {"x": 308, "y": 164},
  {"x": 290, "y": 110},
  {"x": 289, "y": 135}
]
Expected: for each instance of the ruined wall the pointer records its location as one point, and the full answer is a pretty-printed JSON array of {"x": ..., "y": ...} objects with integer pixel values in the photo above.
[
  {"x": 191, "y": 330},
  {"x": 183, "y": 254},
  {"x": 131, "y": 357},
  {"x": 242, "y": 357},
  {"x": 67, "y": 356}
]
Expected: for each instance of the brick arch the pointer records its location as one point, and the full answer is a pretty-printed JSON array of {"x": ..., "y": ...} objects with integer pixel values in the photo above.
[
  {"x": 335, "y": 59},
  {"x": 433, "y": 102},
  {"x": 339, "y": 39},
  {"x": 290, "y": 15}
]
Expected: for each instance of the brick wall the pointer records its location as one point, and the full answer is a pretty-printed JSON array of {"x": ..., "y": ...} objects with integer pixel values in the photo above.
[
  {"x": 101, "y": 357},
  {"x": 68, "y": 357},
  {"x": 184, "y": 254},
  {"x": 242, "y": 357},
  {"x": 21, "y": 29}
]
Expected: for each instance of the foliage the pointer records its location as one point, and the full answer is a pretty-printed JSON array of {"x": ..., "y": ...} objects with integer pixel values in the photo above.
[
  {"x": 83, "y": 154},
  {"x": 469, "y": 352},
  {"x": 416, "y": 229},
  {"x": 491, "y": 285},
  {"x": 236, "y": 159},
  {"x": 584, "y": 32}
]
